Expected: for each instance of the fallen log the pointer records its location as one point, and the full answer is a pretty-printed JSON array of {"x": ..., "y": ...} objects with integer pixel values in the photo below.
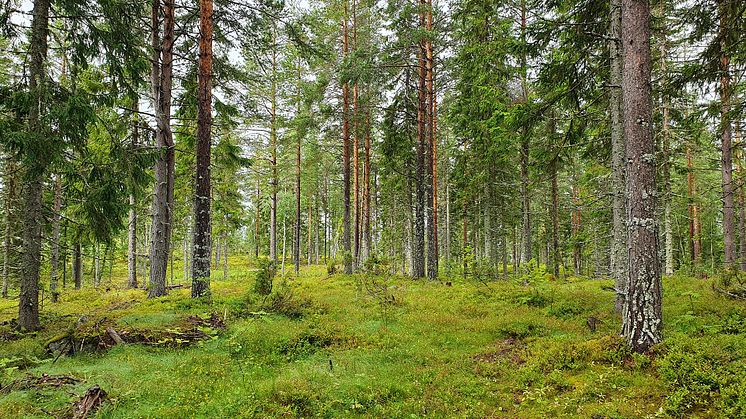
[{"x": 114, "y": 335}]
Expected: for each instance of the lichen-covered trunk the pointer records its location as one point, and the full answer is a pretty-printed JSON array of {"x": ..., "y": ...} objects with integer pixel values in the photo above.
[
  {"x": 642, "y": 321},
  {"x": 28, "y": 302},
  {"x": 618, "y": 159},
  {"x": 164, "y": 167},
  {"x": 202, "y": 190}
]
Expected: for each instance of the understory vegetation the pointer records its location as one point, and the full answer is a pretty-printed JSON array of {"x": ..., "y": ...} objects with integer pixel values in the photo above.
[{"x": 376, "y": 346}]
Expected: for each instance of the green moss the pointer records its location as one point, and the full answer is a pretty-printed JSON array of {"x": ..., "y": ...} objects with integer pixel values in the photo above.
[{"x": 323, "y": 345}]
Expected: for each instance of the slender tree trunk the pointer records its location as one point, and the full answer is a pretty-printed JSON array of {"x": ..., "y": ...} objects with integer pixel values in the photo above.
[
  {"x": 164, "y": 167},
  {"x": 273, "y": 157},
  {"x": 741, "y": 199},
  {"x": 202, "y": 189},
  {"x": 284, "y": 241},
  {"x": 185, "y": 258},
  {"x": 694, "y": 239},
  {"x": 465, "y": 238},
  {"x": 618, "y": 158},
  {"x": 447, "y": 239},
  {"x": 418, "y": 248},
  {"x": 132, "y": 222},
  {"x": 96, "y": 266},
  {"x": 346, "y": 242},
  {"x": 55, "y": 253},
  {"x": 367, "y": 244},
  {"x": 28, "y": 303},
  {"x": 725, "y": 131},
  {"x": 273, "y": 251},
  {"x": 308, "y": 228},
  {"x": 642, "y": 320},
  {"x": 431, "y": 109},
  {"x": 10, "y": 192},
  {"x": 556, "y": 258},
  {"x": 77, "y": 266},
  {"x": 525, "y": 150},
  {"x": 225, "y": 255},
  {"x": 296, "y": 248},
  {"x": 667, "y": 227}
]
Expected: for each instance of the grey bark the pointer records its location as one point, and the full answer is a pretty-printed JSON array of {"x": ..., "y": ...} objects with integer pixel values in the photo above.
[
  {"x": 164, "y": 167},
  {"x": 28, "y": 304},
  {"x": 642, "y": 322}
]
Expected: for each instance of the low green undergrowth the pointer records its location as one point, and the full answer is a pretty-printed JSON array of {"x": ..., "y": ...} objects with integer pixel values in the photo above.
[{"x": 380, "y": 346}]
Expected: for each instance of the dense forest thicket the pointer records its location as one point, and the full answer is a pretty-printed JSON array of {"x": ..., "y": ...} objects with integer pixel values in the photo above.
[{"x": 572, "y": 167}]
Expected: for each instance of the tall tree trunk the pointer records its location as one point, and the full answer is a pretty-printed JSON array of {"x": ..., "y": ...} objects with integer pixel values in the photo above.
[
  {"x": 642, "y": 320},
  {"x": 346, "y": 242},
  {"x": 132, "y": 221},
  {"x": 667, "y": 227},
  {"x": 164, "y": 167},
  {"x": 284, "y": 242},
  {"x": 355, "y": 150},
  {"x": 525, "y": 149},
  {"x": 556, "y": 258},
  {"x": 618, "y": 158},
  {"x": 296, "y": 248},
  {"x": 741, "y": 199},
  {"x": 96, "y": 266},
  {"x": 77, "y": 265},
  {"x": 366, "y": 190},
  {"x": 273, "y": 252},
  {"x": 420, "y": 207},
  {"x": 729, "y": 246},
  {"x": 694, "y": 243},
  {"x": 55, "y": 256},
  {"x": 225, "y": 255},
  {"x": 202, "y": 188},
  {"x": 10, "y": 193},
  {"x": 28, "y": 303},
  {"x": 577, "y": 247},
  {"x": 273, "y": 156},
  {"x": 431, "y": 109},
  {"x": 447, "y": 239},
  {"x": 185, "y": 259}
]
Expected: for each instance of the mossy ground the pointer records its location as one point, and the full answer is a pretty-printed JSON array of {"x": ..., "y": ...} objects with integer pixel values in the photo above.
[{"x": 344, "y": 346}]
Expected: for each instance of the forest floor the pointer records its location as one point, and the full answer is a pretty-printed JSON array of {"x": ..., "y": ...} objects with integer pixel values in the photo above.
[{"x": 342, "y": 346}]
